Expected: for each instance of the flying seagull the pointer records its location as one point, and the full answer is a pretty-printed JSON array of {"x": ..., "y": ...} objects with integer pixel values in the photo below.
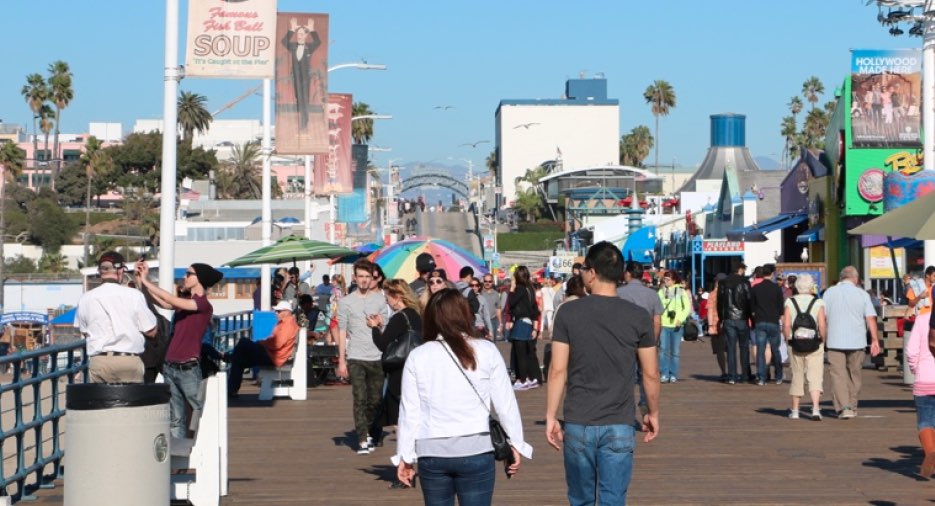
[
  {"x": 444, "y": 107},
  {"x": 474, "y": 144},
  {"x": 524, "y": 125}
]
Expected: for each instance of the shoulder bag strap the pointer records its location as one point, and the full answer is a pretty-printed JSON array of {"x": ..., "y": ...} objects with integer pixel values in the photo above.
[
  {"x": 445, "y": 346},
  {"x": 408, "y": 325}
]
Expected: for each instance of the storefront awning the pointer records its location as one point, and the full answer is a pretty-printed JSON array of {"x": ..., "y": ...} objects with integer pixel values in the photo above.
[
  {"x": 816, "y": 233},
  {"x": 772, "y": 224}
]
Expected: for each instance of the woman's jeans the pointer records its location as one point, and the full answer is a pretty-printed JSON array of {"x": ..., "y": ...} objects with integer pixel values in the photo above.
[
  {"x": 670, "y": 346},
  {"x": 471, "y": 479},
  {"x": 598, "y": 463},
  {"x": 925, "y": 411}
]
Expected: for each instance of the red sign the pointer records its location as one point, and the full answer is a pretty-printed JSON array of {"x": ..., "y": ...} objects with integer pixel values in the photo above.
[{"x": 723, "y": 247}]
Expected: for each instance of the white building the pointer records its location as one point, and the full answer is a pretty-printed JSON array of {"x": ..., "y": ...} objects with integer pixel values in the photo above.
[{"x": 580, "y": 129}]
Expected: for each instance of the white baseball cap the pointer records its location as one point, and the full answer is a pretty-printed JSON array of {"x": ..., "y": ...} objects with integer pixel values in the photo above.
[{"x": 283, "y": 305}]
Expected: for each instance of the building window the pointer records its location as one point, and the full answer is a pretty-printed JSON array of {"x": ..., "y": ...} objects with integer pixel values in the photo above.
[
  {"x": 218, "y": 291},
  {"x": 244, "y": 289},
  {"x": 295, "y": 184}
]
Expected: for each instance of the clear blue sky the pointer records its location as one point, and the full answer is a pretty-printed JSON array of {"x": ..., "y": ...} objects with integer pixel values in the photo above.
[{"x": 736, "y": 56}]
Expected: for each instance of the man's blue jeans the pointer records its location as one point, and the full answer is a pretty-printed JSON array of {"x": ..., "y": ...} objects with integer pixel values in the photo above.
[
  {"x": 471, "y": 479},
  {"x": 184, "y": 386},
  {"x": 767, "y": 333},
  {"x": 598, "y": 463},
  {"x": 737, "y": 332},
  {"x": 670, "y": 345}
]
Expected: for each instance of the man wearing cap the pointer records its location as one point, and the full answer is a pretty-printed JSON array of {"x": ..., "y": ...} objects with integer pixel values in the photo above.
[
  {"x": 273, "y": 351},
  {"x": 425, "y": 264},
  {"x": 114, "y": 320},
  {"x": 193, "y": 313}
]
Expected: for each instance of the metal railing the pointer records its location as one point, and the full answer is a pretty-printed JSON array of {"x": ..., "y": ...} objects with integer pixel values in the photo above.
[
  {"x": 32, "y": 406},
  {"x": 31, "y": 415}
]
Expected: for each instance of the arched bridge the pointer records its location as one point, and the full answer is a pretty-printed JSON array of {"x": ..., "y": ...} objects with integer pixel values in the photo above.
[{"x": 436, "y": 179}]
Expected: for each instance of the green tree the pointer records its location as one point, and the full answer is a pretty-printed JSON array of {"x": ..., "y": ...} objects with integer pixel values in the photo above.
[
  {"x": 13, "y": 160},
  {"x": 240, "y": 176},
  {"x": 813, "y": 131},
  {"x": 60, "y": 93},
  {"x": 52, "y": 261},
  {"x": 20, "y": 265},
  {"x": 795, "y": 106},
  {"x": 529, "y": 204},
  {"x": 493, "y": 163},
  {"x": 193, "y": 115},
  {"x": 661, "y": 97},
  {"x": 812, "y": 88},
  {"x": 49, "y": 226},
  {"x": 194, "y": 163},
  {"x": 362, "y": 129},
  {"x": 36, "y": 93},
  {"x": 46, "y": 123},
  {"x": 635, "y": 146},
  {"x": 137, "y": 160}
]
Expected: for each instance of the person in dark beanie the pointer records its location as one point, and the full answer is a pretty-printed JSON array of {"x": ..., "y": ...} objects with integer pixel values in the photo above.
[
  {"x": 425, "y": 264},
  {"x": 193, "y": 312}
]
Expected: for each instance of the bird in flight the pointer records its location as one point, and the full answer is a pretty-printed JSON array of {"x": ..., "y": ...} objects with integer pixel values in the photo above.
[
  {"x": 524, "y": 125},
  {"x": 474, "y": 144},
  {"x": 444, "y": 107}
]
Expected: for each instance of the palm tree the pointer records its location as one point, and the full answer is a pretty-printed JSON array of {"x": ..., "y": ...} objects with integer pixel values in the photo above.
[
  {"x": 60, "y": 93},
  {"x": 788, "y": 130},
  {"x": 661, "y": 98},
  {"x": 12, "y": 161},
  {"x": 36, "y": 93},
  {"x": 635, "y": 146},
  {"x": 493, "y": 163},
  {"x": 362, "y": 129},
  {"x": 241, "y": 177},
  {"x": 528, "y": 203},
  {"x": 811, "y": 89},
  {"x": 795, "y": 106},
  {"x": 193, "y": 115},
  {"x": 46, "y": 123},
  {"x": 96, "y": 160},
  {"x": 816, "y": 122}
]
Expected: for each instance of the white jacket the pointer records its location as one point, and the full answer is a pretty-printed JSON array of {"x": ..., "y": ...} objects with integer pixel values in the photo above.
[{"x": 437, "y": 400}]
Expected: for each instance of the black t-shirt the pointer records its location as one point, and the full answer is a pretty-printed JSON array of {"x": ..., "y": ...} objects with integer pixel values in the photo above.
[
  {"x": 602, "y": 334},
  {"x": 766, "y": 302}
]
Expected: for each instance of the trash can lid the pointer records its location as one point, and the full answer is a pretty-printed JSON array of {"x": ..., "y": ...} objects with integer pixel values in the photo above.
[{"x": 90, "y": 396}]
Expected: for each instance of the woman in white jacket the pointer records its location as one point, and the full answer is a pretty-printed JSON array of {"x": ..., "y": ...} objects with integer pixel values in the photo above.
[{"x": 443, "y": 420}]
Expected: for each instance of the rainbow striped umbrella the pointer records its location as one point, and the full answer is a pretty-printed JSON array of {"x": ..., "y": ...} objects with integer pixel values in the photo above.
[{"x": 399, "y": 260}]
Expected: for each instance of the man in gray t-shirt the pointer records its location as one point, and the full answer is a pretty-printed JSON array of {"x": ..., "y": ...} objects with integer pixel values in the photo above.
[
  {"x": 596, "y": 343},
  {"x": 358, "y": 357}
]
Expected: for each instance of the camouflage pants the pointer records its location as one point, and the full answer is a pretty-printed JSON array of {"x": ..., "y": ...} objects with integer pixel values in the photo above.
[{"x": 367, "y": 386}]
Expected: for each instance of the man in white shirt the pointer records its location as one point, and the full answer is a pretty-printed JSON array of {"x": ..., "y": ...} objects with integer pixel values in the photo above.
[
  {"x": 547, "y": 296},
  {"x": 114, "y": 320}
]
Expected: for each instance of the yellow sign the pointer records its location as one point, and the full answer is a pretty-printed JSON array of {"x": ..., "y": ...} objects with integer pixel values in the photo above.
[{"x": 881, "y": 263}]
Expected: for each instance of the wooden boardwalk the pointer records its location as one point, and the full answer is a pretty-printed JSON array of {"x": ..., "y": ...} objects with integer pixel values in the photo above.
[{"x": 719, "y": 444}]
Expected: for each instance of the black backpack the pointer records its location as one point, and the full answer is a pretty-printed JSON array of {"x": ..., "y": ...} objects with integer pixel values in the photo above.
[{"x": 805, "y": 338}]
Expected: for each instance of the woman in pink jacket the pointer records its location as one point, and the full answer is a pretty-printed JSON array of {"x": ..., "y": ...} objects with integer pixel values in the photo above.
[{"x": 922, "y": 364}]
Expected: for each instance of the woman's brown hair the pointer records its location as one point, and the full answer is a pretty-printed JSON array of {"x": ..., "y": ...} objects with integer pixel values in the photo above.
[
  {"x": 399, "y": 288},
  {"x": 448, "y": 314}
]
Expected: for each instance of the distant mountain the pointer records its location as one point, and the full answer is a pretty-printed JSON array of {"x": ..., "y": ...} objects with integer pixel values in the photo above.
[{"x": 767, "y": 163}]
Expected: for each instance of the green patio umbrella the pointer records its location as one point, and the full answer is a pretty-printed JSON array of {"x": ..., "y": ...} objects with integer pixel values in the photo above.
[
  {"x": 915, "y": 220},
  {"x": 291, "y": 248}
]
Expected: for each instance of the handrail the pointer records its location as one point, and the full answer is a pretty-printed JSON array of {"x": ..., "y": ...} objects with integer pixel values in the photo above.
[
  {"x": 227, "y": 329},
  {"x": 32, "y": 372}
]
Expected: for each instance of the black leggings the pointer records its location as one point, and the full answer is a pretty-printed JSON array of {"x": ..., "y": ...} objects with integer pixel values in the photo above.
[{"x": 527, "y": 363}]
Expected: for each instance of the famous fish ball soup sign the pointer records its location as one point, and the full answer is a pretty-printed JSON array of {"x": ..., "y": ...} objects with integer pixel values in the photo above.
[{"x": 231, "y": 39}]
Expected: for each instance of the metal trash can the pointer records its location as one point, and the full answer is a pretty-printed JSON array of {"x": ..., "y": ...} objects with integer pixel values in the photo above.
[{"x": 117, "y": 445}]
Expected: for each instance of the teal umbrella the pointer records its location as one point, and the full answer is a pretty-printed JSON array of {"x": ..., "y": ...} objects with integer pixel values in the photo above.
[{"x": 291, "y": 248}]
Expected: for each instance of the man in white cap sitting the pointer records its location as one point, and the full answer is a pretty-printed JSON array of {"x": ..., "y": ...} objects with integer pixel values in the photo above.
[{"x": 273, "y": 351}]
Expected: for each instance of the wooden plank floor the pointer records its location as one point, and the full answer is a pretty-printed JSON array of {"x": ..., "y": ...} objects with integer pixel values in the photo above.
[{"x": 719, "y": 444}]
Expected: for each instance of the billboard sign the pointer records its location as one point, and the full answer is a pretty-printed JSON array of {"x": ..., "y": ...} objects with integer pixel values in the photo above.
[
  {"x": 886, "y": 95},
  {"x": 301, "y": 83},
  {"x": 333, "y": 172},
  {"x": 231, "y": 40}
]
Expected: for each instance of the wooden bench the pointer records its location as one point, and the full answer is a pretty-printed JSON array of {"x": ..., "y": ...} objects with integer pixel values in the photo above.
[
  {"x": 199, "y": 465},
  {"x": 290, "y": 379}
]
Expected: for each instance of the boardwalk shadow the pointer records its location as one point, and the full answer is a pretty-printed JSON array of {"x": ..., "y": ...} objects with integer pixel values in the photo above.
[
  {"x": 707, "y": 377},
  {"x": 382, "y": 472},
  {"x": 349, "y": 439},
  {"x": 906, "y": 464},
  {"x": 784, "y": 413}
]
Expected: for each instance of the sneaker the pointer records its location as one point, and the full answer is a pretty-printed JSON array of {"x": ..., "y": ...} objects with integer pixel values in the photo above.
[
  {"x": 793, "y": 414},
  {"x": 761, "y": 383},
  {"x": 520, "y": 385},
  {"x": 365, "y": 448},
  {"x": 673, "y": 379},
  {"x": 731, "y": 382},
  {"x": 778, "y": 381},
  {"x": 847, "y": 414},
  {"x": 533, "y": 383},
  {"x": 664, "y": 379},
  {"x": 816, "y": 415}
]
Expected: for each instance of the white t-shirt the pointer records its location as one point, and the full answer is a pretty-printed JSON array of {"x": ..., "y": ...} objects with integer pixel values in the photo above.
[{"x": 113, "y": 318}]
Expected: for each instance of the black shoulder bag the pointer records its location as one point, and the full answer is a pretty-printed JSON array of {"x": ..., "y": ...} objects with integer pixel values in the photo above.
[
  {"x": 395, "y": 354},
  {"x": 498, "y": 436}
]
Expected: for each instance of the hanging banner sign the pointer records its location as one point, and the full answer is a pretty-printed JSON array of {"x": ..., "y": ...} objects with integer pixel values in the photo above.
[
  {"x": 231, "y": 40},
  {"x": 301, "y": 83}
]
